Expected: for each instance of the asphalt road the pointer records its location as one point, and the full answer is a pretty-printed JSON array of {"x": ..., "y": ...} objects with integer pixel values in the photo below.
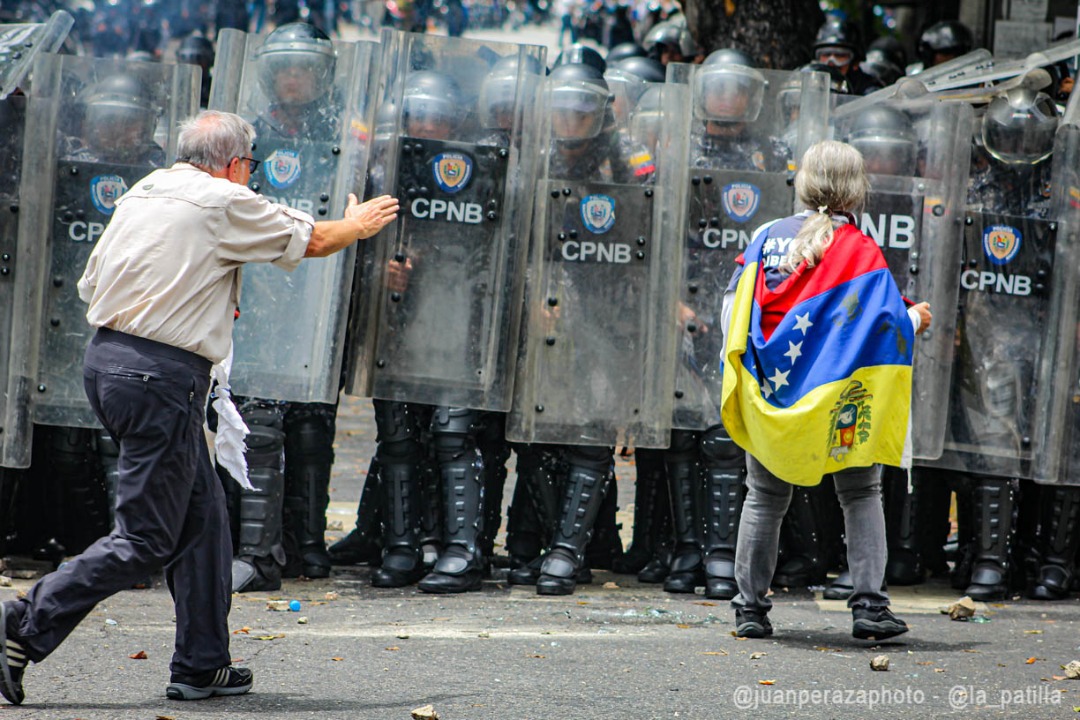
[{"x": 616, "y": 649}]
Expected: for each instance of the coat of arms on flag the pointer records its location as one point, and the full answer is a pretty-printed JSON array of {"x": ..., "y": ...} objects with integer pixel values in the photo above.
[{"x": 452, "y": 171}]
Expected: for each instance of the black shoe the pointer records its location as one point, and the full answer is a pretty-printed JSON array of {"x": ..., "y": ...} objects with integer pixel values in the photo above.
[
  {"x": 655, "y": 571},
  {"x": 839, "y": 589},
  {"x": 720, "y": 576},
  {"x": 255, "y": 574},
  {"x": 12, "y": 664},
  {"x": 526, "y": 574},
  {"x": 226, "y": 680},
  {"x": 313, "y": 562},
  {"x": 752, "y": 624},
  {"x": 558, "y": 573},
  {"x": 1051, "y": 584},
  {"x": 987, "y": 583},
  {"x": 400, "y": 567},
  {"x": 353, "y": 549},
  {"x": 456, "y": 571},
  {"x": 876, "y": 624}
]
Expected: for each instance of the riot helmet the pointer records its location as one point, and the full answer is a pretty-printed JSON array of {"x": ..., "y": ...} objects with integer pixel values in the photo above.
[
  {"x": 888, "y": 48},
  {"x": 944, "y": 41},
  {"x": 578, "y": 54},
  {"x": 431, "y": 106},
  {"x": 579, "y": 99},
  {"x": 296, "y": 64},
  {"x": 499, "y": 92},
  {"x": 645, "y": 68},
  {"x": 623, "y": 51},
  {"x": 728, "y": 94},
  {"x": 878, "y": 66},
  {"x": 196, "y": 50},
  {"x": 838, "y": 44},
  {"x": 730, "y": 56},
  {"x": 1019, "y": 126},
  {"x": 669, "y": 42},
  {"x": 886, "y": 138},
  {"x": 119, "y": 116}
]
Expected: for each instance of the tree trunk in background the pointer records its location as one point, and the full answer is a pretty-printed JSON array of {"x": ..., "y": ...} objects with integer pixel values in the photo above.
[{"x": 779, "y": 34}]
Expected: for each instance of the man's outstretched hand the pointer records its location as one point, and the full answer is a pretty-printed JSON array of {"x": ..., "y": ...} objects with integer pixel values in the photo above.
[{"x": 373, "y": 215}]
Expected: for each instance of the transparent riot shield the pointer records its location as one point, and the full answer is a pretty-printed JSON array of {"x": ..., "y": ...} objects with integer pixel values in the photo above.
[
  {"x": 746, "y": 128},
  {"x": 21, "y": 43},
  {"x": 596, "y": 362},
  {"x": 917, "y": 156},
  {"x": 1002, "y": 323},
  {"x": 94, "y": 128},
  {"x": 308, "y": 103},
  {"x": 443, "y": 284},
  {"x": 1056, "y": 442}
]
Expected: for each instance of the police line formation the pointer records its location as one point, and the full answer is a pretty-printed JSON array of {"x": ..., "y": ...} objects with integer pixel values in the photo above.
[{"x": 553, "y": 288}]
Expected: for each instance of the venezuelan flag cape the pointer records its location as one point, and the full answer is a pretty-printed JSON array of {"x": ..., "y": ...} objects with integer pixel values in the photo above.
[{"x": 817, "y": 373}]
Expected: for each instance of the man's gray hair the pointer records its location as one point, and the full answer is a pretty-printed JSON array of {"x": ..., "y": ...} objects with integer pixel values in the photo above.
[{"x": 211, "y": 139}]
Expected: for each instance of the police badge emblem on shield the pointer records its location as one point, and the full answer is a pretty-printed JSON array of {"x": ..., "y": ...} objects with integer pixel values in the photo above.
[
  {"x": 598, "y": 213},
  {"x": 452, "y": 171},
  {"x": 282, "y": 168},
  {"x": 1001, "y": 243},
  {"x": 741, "y": 201},
  {"x": 105, "y": 190}
]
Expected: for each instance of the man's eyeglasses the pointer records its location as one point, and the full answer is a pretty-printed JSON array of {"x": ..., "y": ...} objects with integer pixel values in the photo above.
[{"x": 252, "y": 163}]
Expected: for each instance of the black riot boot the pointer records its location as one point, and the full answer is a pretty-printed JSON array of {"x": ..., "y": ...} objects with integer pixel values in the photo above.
[
  {"x": 583, "y": 494},
  {"x": 540, "y": 471},
  {"x": 309, "y": 457},
  {"x": 402, "y": 563},
  {"x": 724, "y": 474},
  {"x": 605, "y": 545},
  {"x": 397, "y": 451},
  {"x": 904, "y": 566},
  {"x": 643, "y": 544},
  {"x": 684, "y": 484},
  {"x": 1059, "y": 542},
  {"x": 460, "y": 567},
  {"x": 363, "y": 544},
  {"x": 495, "y": 451},
  {"x": 524, "y": 533},
  {"x": 260, "y": 554},
  {"x": 993, "y": 501}
]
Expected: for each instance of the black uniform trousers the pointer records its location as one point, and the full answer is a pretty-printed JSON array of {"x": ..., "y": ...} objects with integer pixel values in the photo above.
[{"x": 170, "y": 506}]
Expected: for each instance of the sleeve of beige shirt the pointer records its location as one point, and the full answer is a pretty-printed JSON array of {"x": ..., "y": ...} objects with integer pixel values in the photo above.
[{"x": 257, "y": 230}]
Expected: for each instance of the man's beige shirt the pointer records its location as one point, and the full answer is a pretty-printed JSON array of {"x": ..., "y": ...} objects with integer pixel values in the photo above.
[{"x": 167, "y": 267}]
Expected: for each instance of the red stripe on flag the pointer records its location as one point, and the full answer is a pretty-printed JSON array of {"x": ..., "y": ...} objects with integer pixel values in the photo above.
[{"x": 850, "y": 255}]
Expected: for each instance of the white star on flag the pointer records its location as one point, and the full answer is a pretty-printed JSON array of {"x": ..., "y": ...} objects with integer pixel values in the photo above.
[
  {"x": 766, "y": 391},
  {"x": 779, "y": 379},
  {"x": 802, "y": 322},
  {"x": 794, "y": 351}
]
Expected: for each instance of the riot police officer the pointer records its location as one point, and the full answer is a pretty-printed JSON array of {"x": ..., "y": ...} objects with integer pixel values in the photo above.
[
  {"x": 941, "y": 42},
  {"x": 282, "y": 524},
  {"x": 990, "y": 407},
  {"x": 585, "y": 144},
  {"x": 838, "y": 44}
]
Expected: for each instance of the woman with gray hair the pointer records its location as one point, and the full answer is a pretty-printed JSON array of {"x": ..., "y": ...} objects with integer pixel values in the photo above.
[{"x": 817, "y": 341}]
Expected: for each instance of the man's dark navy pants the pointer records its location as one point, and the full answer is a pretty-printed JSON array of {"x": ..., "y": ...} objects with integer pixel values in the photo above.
[{"x": 170, "y": 506}]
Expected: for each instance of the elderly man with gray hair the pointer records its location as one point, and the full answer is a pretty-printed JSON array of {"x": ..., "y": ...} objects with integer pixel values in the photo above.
[{"x": 162, "y": 285}]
